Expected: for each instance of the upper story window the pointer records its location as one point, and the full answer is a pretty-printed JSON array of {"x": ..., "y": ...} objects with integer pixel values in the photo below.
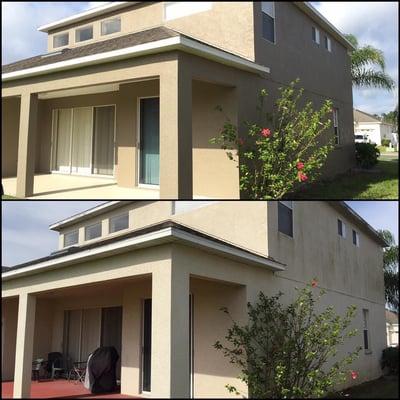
[
  {"x": 315, "y": 35},
  {"x": 111, "y": 26},
  {"x": 83, "y": 34},
  {"x": 341, "y": 228},
  {"x": 356, "y": 238},
  {"x": 93, "y": 231},
  {"x": 268, "y": 16},
  {"x": 328, "y": 44},
  {"x": 178, "y": 9},
  {"x": 119, "y": 222},
  {"x": 285, "y": 217},
  {"x": 335, "y": 113},
  {"x": 61, "y": 40},
  {"x": 71, "y": 238}
]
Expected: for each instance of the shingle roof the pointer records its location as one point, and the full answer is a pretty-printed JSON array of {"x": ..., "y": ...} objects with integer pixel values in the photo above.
[
  {"x": 361, "y": 116},
  {"x": 122, "y": 42},
  {"x": 391, "y": 317}
]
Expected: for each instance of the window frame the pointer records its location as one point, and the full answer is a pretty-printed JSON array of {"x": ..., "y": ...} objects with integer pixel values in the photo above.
[
  {"x": 328, "y": 43},
  {"x": 317, "y": 35},
  {"x": 336, "y": 129},
  {"x": 58, "y": 35},
  {"x": 90, "y": 226},
  {"x": 118, "y": 216},
  {"x": 290, "y": 206},
  {"x": 75, "y": 231},
  {"x": 366, "y": 333},
  {"x": 356, "y": 236},
  {"x": 343, "y": 226},
  {"x": 82, "y": 28},
  {"x": 108, "y": 20},
  {"x": 271, "y": 16}
]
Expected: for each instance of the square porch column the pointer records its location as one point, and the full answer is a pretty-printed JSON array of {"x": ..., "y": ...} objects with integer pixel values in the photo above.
[
  {"x": 27, "y": 144},
  {"x": 176, "y": 165},
  {"x": 24, "y": 345},
  {"x": 170, "y": 376}
]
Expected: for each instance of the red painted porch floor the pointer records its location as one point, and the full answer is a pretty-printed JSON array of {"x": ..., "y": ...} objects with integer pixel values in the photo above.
[{"x": 59, "y": 388}]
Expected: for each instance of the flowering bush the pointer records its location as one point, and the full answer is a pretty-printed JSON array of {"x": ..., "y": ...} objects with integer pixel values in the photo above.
[
  {"x": 283, "y": 149},
  {"x": 283, "y": 350}
]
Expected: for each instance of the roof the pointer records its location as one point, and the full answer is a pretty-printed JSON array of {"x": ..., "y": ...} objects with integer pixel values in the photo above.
[
  {"x": 391, "y": 317},
  {"x": 4, "y": 269},
  {"x": 362, "y": 116},
  {"x": 144, "y": 237}
]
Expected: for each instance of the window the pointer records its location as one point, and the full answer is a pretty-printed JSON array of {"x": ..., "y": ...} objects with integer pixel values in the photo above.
[
  {"x": 315, "y": 35},
  {"x": 285, "y": 217},
  {"x": 71, "y": 238},
  {"x": 119, "y": 223},
  {"x": 111, "y": 26},
  {"x": 179, "y": 9},
  {"x": 335, "y": 112},
  {"x": 328, "y": 44},
  {"x": 365, "y": 329},
  {"x": 61, "y": 40},
  {"x": 341, "y": 229},
  {"x": 268, "y": 23},
  {"x": 356, "y": 239},
  {"x": 93, "y": 231},
  {"x": 83, "y": 34}
]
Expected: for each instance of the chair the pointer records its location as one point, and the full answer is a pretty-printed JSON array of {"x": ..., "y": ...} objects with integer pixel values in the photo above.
[
  {"x": 36, "y": 365},
  {"x": 78, "y": 371},
  {"x": 55, "y": 364}
]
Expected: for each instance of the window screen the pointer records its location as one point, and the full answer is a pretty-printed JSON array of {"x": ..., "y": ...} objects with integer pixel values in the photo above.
[
  {"x": 93, "y": 231},
  {"x": 83, "y": 34},
  {"x": 60, "y": 40},
  {"x": 285, "y": 217},
  {"x": 119, "y": 223},
  {"x": 71, "y": 238},
  {"x": 111, "y": 26}
]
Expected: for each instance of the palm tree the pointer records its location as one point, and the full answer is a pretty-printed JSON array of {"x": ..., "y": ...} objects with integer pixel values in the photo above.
[{"x": 364, "y": 63}]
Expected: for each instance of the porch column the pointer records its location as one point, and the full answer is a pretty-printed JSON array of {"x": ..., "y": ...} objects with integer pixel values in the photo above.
[
  {"x": 24, "y": 346},
  {"x": 27, "y": 144},
  {"x": 176, "y": 180},
  {"x": 170, "y": 377}
]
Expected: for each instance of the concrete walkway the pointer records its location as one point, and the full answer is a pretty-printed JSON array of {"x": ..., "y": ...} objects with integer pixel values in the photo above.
[{"x": 55, "y": 186}]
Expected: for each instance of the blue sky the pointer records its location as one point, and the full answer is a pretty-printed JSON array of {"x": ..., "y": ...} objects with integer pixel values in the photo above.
[
  {"x": 25, "y": 233},
  {"x": 374, "y": 23}
]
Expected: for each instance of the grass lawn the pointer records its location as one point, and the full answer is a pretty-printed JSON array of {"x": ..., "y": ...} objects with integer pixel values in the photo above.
[
  {"x": 380, "y": 184},
  {"x": 381, "y": 388}
]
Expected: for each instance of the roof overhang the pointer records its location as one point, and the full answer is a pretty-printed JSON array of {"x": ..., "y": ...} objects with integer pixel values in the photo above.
[
  {"x": 170, "y": 234},
  {"x": 92, "y": 13},
  {"x": 175, "y": 43}
]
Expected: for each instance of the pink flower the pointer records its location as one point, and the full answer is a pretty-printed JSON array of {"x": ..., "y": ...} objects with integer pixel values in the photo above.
[
  {"x": 354, "y": 375},
  {"x": 266, "y": 132},
  {"x": 302, "y": 177},
  {"x": 300, "y": 166},
  {"x": 314, "y": 283},
  {"x": 241, "y": 141}
]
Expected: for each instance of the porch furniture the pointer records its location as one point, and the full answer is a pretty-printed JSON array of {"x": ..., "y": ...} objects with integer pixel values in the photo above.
[
  {"x": 78, "y": 371},
  {"x": 55, "y": 364},
  {"x": 36, "y": 365}
]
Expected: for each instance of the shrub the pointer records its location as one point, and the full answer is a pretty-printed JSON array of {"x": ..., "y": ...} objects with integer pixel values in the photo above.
[
  {"x": 282, "y": 150},
  {"x": 390, "y": 359},
  {"x": 283, "y": 350},
  {"x": 386, "y": 142},
  {"x": 367, "y": 155}
]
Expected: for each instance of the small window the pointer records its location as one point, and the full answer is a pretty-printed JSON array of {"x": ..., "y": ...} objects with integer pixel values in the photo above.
[
  {"x": 315, "y": 35},
  {"x": 365, "y": 329},
  {"x": 93, "y": 231},
  {"x": 335, "y": 112},
  {"x": 285, "y": 217},
  {"x": 111, "y": 26},
  {"x": 61, "y": 40},
  {"x": 268, "y": 23},
  {"x": 119, "y": 223},
  {"x": 356, "y": 239},
  {"x": 71, "y": 238},
  {"x": 341, "y": 228},
  {"x": 83, "y": 34},
  {"x": 328, "y": 44}
]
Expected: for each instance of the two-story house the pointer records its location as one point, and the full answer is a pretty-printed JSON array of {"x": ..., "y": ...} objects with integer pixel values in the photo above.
[
  {"x": 128, "y": 94},
  {"x": 149, "y": 278}
]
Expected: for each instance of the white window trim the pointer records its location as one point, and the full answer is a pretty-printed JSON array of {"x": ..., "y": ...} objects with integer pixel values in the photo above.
[
  {"x": 329, "y": 43},
  {"x": 68, "y": 233},
  {"x": 61, "y": 34},
  {"x": 317, "y": 36},
  {"x": 343, "y": 235},
  {"x": 91, "y": 225},
  {"x": 357, "y": 244},
  {"x": 82, "y": 28},
  {"x": 118, "y": 216},
  {"x": 108, "y": 20}
]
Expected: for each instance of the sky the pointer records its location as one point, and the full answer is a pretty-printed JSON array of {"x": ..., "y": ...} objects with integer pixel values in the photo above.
[
  {"x": 373, "y": 23},
  {"x": 25, "y": 233}
]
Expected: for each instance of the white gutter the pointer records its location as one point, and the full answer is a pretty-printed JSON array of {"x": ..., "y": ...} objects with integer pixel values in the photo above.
[
  {"x": 174, "y": 43},
  {"x": 165, "y": 235}
]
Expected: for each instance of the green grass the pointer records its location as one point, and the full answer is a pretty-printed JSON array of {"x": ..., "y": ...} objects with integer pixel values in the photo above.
[
  {"x": 381, "y": 388},
  {"x": 382, "y": 184}
]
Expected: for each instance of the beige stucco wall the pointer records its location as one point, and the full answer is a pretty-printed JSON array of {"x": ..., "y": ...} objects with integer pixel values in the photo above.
[{"x": 9, "y": 315}]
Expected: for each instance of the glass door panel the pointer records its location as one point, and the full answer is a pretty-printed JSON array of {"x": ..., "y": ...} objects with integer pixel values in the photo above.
[
  {"x": 103, "y": 146},
  {"x": 150, "y": 141},
  {"x": 146, "y": 347},
  {"x": 62, "y": 140}
]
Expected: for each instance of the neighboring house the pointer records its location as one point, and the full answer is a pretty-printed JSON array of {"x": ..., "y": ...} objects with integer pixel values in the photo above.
[
  {"x": 370, "y": 129},
  {"x": 130, "y": 91},
  {"x": 392, "y": 328},
  {"x": 150, "y": 278}
]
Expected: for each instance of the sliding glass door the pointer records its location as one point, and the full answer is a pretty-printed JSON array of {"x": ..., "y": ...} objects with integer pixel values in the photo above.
[{"x": 83, "y": 140}]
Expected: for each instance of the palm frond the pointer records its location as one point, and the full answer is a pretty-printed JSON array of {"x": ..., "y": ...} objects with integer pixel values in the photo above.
[
  {"x": 368, "y": 55},
  {"x": 370, "y": 78}
]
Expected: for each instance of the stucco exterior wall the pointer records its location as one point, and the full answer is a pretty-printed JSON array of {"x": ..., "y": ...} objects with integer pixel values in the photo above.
[{"x": 9, "y": 315}]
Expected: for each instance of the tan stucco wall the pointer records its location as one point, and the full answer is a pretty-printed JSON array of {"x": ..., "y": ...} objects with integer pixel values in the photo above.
[{"x": 9, "y": 315}]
